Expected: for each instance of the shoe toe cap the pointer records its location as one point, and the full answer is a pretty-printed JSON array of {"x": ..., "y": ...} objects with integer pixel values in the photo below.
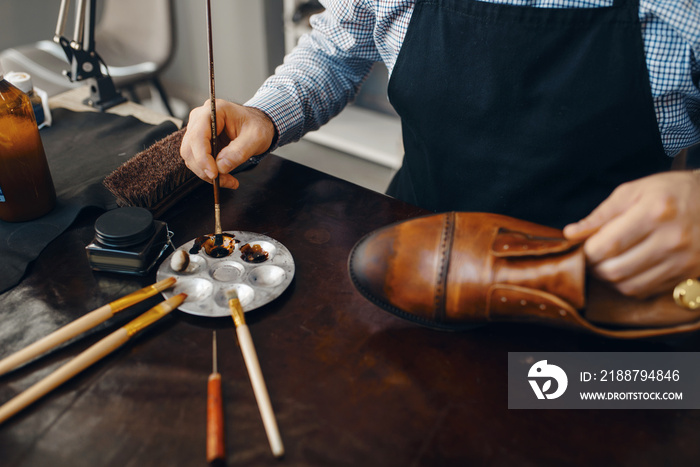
[{"x": 396, "y": 268}]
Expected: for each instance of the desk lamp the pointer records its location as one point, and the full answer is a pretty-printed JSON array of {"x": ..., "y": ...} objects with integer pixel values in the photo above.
[{"x": 85, "y": 62}]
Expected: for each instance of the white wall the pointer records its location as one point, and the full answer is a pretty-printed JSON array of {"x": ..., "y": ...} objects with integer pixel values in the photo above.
[
  {"x": 20, "y": 25},
  {"x": 240, "y": 49}
]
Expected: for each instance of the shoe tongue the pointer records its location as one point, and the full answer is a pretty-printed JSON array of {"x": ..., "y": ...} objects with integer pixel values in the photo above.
[
  {"x": 547, "y": 263},
  {"x": 510, "y": 243}
]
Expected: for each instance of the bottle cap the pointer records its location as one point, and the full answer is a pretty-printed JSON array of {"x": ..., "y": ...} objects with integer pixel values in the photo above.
[
  {"x": 21, "y": 80},
  {"x": 124, "y": 227}
]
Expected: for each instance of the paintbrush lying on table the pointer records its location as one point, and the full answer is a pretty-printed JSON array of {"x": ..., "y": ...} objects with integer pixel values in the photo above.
[
  {"x": 82, "y": 324},
  {"x": 93, "y": 354},
  {"x": 250, "y": 357}
]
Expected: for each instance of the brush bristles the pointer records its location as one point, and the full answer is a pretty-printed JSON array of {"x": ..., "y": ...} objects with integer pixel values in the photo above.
[
  {"x": 234, "y": 305},
  {"x": 151, "y": 175}
]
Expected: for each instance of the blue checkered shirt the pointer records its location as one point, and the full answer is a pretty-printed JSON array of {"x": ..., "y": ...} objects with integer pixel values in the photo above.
[{"x": 325, "y": 71}]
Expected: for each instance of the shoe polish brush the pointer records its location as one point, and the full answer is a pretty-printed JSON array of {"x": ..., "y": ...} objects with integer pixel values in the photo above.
[{"x": 155, "y": 178}]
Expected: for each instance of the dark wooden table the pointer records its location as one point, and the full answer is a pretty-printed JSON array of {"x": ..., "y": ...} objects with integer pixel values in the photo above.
[{"x": 350, "y": 384}]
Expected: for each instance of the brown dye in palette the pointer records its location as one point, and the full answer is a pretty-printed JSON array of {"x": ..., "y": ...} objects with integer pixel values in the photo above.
[
  {"x": 216, "y": 245},
  {"x": 253, "y": 253}
]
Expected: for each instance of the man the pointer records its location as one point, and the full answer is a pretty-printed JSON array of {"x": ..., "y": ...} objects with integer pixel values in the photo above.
[{"x": 546, "y": 110}]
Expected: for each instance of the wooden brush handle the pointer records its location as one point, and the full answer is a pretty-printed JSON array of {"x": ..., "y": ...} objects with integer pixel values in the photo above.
[
  {"x": 215, "y": 419},
  {"x": 56, "y": 338},
  {"x": 89, "y": 356},
  {"x": 260, "y": 389},
  {"x": 82, "y": 324},
  {"x": 64, "y": 373}
]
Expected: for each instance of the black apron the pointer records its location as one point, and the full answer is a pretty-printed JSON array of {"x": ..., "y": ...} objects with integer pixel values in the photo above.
[{"x": 536, "y": 113}]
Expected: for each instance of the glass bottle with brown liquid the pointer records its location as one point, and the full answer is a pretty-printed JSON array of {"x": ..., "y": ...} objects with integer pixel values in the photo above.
[{"x": 26, "y": 188}]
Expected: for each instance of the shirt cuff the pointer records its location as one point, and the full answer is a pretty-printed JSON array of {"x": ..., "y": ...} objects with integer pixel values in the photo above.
[{"x": 285, "y": 112}]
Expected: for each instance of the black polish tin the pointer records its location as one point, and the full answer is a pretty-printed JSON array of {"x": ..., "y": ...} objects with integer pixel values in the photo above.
[{"x": 127, "y": 240}]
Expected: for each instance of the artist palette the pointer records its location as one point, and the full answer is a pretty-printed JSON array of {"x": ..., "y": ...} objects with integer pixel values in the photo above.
[{"x": 207, "y": 280}]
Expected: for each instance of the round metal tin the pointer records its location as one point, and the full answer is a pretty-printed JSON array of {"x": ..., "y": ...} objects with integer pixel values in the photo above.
[{"x": 207, "y": 280}]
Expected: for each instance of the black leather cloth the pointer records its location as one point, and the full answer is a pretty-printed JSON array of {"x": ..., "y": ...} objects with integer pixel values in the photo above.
[{"x": 81, "y": 148}]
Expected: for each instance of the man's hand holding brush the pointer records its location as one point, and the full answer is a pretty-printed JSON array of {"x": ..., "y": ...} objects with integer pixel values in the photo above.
[{"x": 251, "y": 133}]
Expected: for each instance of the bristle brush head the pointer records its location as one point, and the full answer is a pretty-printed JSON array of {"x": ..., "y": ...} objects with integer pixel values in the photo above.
[
  {"x": 154, "y": 178},
  {"x": 231, "y": 294},
  {"x": 235, "y": 306}
]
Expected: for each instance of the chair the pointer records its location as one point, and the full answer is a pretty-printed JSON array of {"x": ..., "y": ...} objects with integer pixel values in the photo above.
[{"x": 135, "y": 38}]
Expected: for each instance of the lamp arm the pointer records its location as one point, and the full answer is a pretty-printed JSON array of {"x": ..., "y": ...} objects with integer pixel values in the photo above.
[{"x": 85, "y": 62}]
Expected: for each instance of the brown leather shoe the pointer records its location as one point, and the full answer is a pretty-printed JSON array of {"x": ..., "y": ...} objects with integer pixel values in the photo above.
[{"x": 453, "y": 270}]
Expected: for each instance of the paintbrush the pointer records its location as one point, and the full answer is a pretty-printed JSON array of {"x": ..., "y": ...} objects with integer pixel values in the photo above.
[
  {"x": 250, "y": 357},
  {"x": 93, "y": 354},
  {"x": 212, "y": 139},
  {"x": 82, "y": 324}
]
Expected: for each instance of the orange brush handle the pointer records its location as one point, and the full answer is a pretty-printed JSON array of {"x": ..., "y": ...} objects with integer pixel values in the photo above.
[{"x": 215, "y": 419}]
